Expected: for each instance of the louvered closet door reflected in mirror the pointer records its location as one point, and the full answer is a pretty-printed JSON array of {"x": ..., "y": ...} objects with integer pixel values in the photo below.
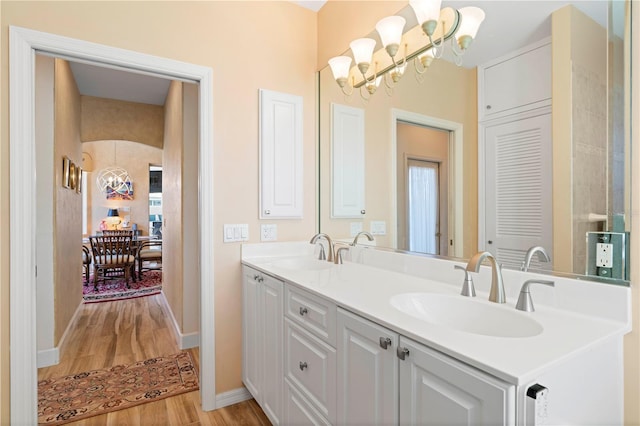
[{"x": 518, "y": 173}]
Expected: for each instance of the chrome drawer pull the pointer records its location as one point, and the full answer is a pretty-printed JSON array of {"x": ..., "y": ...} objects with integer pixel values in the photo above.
[
  {"x": 303, "y": 365},
  {"x": 303, "y": 311}
]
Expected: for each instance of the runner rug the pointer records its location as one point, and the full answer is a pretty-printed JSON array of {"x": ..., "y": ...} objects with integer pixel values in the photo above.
[
  {"x": 116, "y": 289},
  {"x": 83, "y": 395}
]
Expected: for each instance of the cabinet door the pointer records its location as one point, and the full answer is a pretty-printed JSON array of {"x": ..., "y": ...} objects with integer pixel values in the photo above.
[
  {"x": 281, "y": 177},
  {"x": 251, "y": 335},
  {"x": 347, "y": 156},
  {"x": 437, "y": 390},
  {"x": 517, "y": 83},
  {"x": 298, "y": 410},
  {"x": 272, "y": 322},
  {"x": 367, "y": 372},
  {"x": 518, "y": 189}
]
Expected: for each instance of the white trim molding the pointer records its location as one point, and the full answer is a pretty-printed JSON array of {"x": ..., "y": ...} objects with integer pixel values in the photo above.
[
  {"x": 456, "y": 175},
  {"x": 184, "y": 341},
  {"x": 232, "y": 397},
  {"x": 24, "y": 43},
  {"x": 47, "y": 357}
]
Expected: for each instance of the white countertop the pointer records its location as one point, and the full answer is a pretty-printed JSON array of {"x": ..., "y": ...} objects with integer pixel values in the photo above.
[{"x": 367, "y": 290}]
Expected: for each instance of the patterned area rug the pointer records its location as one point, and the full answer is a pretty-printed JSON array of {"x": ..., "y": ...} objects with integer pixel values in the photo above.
[
  {"x": 116, "y": 289},
  {"x": 83, "y": 395}
]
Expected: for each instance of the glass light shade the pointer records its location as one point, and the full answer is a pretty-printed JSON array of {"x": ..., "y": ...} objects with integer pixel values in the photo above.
[
  {"x": 390, "y": 29},
  {"x": 362, "y": 49},
  {"x": 427, "y": 53},
  {"x": 426, "y": 10},
  {"x": 340, "y": 66},
  {"x": 472, "y": 17}
]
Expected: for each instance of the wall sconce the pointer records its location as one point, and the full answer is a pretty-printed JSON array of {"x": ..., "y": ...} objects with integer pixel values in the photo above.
[{"x": 439, "y": 25}]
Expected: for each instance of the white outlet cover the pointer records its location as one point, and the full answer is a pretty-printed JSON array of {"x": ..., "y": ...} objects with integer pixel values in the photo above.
[
  {"x": 378, "y": 227},
  {"x": 355, "y": 228},
  {"x": 269, "y": 232}
]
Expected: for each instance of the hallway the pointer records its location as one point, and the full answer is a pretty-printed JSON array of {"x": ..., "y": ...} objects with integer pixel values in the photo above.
[{"x": 123, "y": 332}]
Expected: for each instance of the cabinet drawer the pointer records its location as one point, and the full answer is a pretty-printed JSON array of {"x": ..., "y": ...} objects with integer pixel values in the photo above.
[
  {"x": 310, "y": 364},
  {"x": 312, "y": 312},
  {"x": 298, "y": 410}
]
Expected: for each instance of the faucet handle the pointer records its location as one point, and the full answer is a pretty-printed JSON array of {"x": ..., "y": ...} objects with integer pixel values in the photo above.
[
  {"x": 467, "y": 287},
  {"x": 525, "y": 303}
]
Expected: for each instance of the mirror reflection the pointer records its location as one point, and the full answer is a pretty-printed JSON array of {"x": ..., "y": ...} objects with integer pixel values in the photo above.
[{"x": 523, "y": 145}]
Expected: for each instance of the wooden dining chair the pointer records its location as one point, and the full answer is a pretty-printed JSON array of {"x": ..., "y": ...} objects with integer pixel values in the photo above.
[
  {"x": 86, "y": 263},
  {"x": 113, "y": 256},
  {"x": 117, "y": 232},
  {"x": 149, "y": 251}
]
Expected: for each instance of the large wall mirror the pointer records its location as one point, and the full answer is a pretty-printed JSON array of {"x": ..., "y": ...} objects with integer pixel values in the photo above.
[{"x": 431, "y": 165}]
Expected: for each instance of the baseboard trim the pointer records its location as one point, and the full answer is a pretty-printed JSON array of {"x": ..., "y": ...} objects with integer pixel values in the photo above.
[
  {"x": 49, "y": 357},
  {"x": 184, "y": 341},
  {"x": 232, "y": 397}
]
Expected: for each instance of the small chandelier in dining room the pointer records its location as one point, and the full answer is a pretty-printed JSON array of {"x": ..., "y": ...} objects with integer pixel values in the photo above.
[
  {"x": 389, "y": 64},
  {"x": 113, "y": 178}
]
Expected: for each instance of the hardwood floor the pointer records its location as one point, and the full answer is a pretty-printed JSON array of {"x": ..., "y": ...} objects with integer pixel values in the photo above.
[{"x": 123, "y": 332}]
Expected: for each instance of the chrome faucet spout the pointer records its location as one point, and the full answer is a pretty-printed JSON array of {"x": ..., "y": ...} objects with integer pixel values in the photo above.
[
  {"x": 542, "y": 255},
  {"x": 496, "y": 294},
  {"x": 315, "y": 239},
  {"x": 364, "y": 233}
]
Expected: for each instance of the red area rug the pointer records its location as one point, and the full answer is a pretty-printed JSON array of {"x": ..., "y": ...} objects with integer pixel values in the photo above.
[
  {"x": 116, "y": 289},
  {"x": 78, "y": 396}
]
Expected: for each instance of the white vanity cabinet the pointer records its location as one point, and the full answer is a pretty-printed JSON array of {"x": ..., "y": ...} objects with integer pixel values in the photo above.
[
  {"x": 436, "y": 389},
  {"x": 367, "y": 372},
  {"x": 310, "y": 358},
  {"x": 385, "y": 378},
  {"x": 262, "y": 341}
]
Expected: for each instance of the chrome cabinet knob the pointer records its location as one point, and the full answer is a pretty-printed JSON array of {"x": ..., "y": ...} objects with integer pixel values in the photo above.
[
  {"x": 303, "y": 311},
  {"x": 267, "y": 212},
  {"x": 363, "y": 211},
  {"x": 402, "y": 353},
  {"x": 303, "y": 365},
  {"x": 385, "y": 342}
]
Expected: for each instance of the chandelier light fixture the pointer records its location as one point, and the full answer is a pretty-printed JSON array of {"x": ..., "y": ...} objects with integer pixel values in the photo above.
[
  {"x": 113, "y": 179},
  {"x": 438, "y": 25}
]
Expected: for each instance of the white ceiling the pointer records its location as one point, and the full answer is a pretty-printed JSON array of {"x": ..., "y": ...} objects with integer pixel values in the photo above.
[{"x": 508, "y": 25}]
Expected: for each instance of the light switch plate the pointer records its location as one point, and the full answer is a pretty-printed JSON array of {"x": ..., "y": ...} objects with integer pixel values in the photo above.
[
  {"x": 378, "y": 227},
  {"x": 355, "y": 228},
  {"x": 235, "y": 232},
  {"x": 269, "y": 232}
]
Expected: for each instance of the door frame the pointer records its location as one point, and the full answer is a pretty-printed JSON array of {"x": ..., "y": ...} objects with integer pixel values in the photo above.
[
  {"x": 23, "y": 45},
  {"x": 456, "y": 178}
]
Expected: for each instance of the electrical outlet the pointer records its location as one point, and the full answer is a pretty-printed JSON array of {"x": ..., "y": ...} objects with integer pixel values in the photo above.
[
  {"x": 269, "y": 232},
  {"x": 604, "y": 255},
  {"x": 378, "y": 227},
  {"x": 355, "y": 228}
]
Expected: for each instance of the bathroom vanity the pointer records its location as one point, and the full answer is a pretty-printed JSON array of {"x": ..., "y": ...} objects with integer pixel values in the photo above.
[{"x": 386, "y": 338}]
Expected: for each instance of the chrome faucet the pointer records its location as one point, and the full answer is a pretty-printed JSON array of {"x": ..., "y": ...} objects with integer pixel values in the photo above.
[
  {"x": 329, "y": 248},
  {"x": 338, "y": 254},
  {"x": 542, "y": 255},
  {"x": 497, "y": 285},
  {"x": 365, "y": 233}
]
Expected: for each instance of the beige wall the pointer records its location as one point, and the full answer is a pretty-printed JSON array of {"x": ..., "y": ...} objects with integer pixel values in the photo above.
[
  {"x": 579, "y": 48},
  {"x": 104, "y": 119},
  {"x": 222, "y": 35},
  {"x": 172, "y": 267},
  {"x": 68, "y": 203},
  {"x": 135, "y": 158}
]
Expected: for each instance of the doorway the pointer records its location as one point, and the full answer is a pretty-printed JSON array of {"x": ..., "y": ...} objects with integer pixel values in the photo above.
[
  {"x": 23, "y": 45},
  {"x": 418, "y": 137},
  {"x": 422, "y": 203}
]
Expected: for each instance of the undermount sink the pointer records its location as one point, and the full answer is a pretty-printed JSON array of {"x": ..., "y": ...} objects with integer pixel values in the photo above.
[
  {"x": 303, "y": 263},
  {"x": 467, "y": 314}
]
